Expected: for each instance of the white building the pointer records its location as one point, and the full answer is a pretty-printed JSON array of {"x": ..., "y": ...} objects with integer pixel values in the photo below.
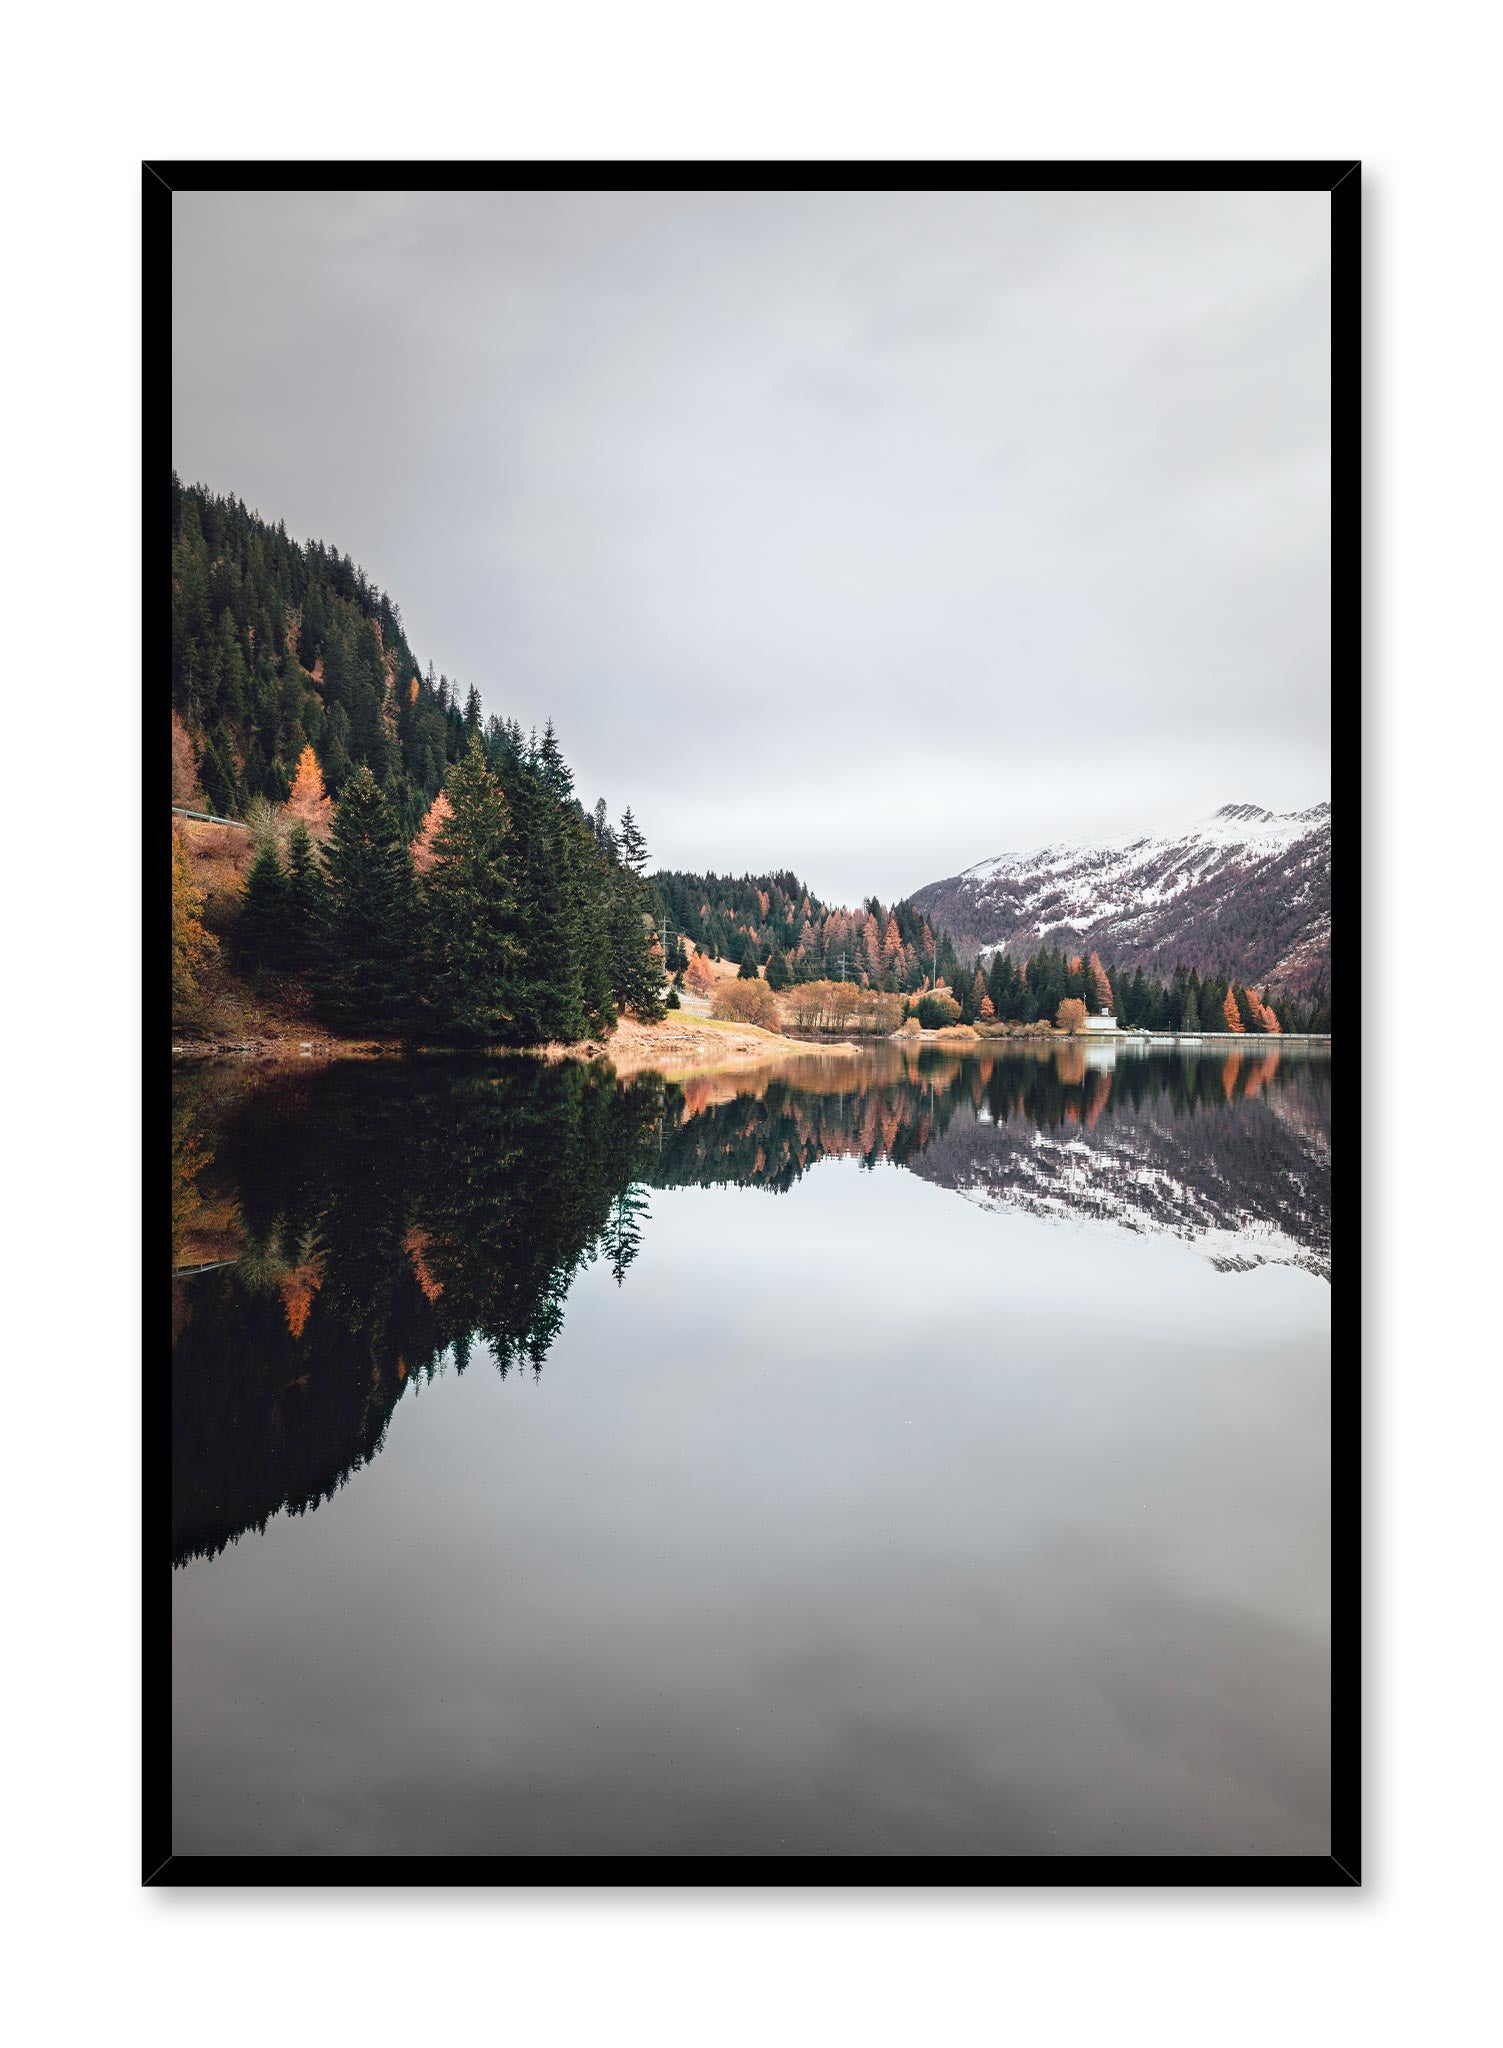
[{"x": 1102, "y": 1021}]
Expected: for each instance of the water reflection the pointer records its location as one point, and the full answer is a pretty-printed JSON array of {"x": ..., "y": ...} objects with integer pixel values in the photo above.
[{"x": 340, "y": 1235}]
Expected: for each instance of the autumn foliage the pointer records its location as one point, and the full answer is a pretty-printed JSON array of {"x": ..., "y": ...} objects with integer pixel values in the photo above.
[
  {"x": 746, "y": 1002},
  {"x": 700, "y": 976},
  {"x": 423, "y": 851},
  {"x": 1098, "y": 987},
  {"x": 185, "y": 789},
  {"x": 843, "y": 1006},
  {"x": 309, "y": 802},
  {"x": 1230, "y": 1011},
  {"x": 1071, "y": 1015},
  {"x": 192, "y": 946}
]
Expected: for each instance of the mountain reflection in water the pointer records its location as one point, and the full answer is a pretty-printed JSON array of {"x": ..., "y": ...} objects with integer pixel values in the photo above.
[{"x": 341, "y": 1233}]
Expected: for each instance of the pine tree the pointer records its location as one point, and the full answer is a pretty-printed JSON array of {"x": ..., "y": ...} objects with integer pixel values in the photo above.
[
  {"x": 750, "y": 962},
  {"x": 637, "y": 977},
  {"x": 260, "y": 933},
  {"x": 472, "y": 945},
  {"x": 778, "y": 975},
  {"x": 633, "y": 847},
  {"x": 553, "y": 768},
  {"x": 367, "y": 979},
  {"x": 307, "y": 901},
  {"x": 590, "y": 873},
  {"x": 548, "y": 983}
]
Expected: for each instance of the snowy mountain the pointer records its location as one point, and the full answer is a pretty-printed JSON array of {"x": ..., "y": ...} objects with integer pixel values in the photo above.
[{"x": 1245, "y": 892}]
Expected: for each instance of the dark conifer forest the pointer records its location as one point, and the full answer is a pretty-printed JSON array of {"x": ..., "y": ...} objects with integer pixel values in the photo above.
[{"x": 420, "y": 870}]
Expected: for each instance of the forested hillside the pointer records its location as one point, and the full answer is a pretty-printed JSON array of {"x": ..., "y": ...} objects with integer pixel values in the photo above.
[
  {"x": 416, "y": 871},
  {"x": 276, "y": 646},
  {"x": 779, "y": 924}
]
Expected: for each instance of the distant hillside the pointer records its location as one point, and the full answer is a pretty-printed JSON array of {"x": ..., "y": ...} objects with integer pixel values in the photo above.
[
  {"x": 1243, "y": 893},
  {"x": 890, "y": 945}
]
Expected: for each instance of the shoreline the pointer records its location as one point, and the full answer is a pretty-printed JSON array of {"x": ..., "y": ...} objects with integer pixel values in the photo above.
[
  {"x": 677, "y": 1047},
  {"x": 681, "y": 1045}
]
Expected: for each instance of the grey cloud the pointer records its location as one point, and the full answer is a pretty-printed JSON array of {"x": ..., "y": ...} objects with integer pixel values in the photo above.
[{"x": 865, "y": 534}]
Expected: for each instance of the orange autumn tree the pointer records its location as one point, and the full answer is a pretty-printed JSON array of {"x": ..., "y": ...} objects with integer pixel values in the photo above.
[
  {"x": 423, "y": 851},
  {"x": 988, "y": 1008},
  {"x": 699, "y": 975},
  {"x": 1230, "y": 1011},
  {"x": 185, "y": 789},
  {"x": 192, "y": 946},
  {"x": 1098, "y": 988},
  {"x": 299, "y": 1285},
  {"x": 309, "y": 803},
  {"x": 1265, "y": 1012},
  {"x": 1071, "y": 1015}
]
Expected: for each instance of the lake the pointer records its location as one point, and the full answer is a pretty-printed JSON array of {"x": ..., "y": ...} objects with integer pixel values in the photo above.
[{"x": 922, "y": 1452}]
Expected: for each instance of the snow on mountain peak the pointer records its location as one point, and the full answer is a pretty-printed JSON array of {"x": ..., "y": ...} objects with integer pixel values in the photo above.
[{"x": 1244, "y": 890}]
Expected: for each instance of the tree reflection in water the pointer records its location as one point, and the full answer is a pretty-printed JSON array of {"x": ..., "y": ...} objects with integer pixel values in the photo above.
[{"x": 341, "y": 1233}]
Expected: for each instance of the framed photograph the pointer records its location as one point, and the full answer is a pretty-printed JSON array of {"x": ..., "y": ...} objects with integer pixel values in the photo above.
[{"x": 754, "y": 1281}]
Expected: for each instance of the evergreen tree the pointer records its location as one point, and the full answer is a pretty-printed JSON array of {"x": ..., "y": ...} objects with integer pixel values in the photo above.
[
  {"x": 260, "y": 939},
  {"x": 633, "y": 847},
  {"x": 552, "y": 767},
  {"x": 750, "y": 962},
  {"x": 637, "y": 977},
  {"x": 307, "y": 901},
  {"x": 548, "y": 987},
  {"x": 778, "y": 975},
  {"x": 590, "y": 873},
  {"x": 367, "y": 979},
  {"x": 472, "y": 945}
]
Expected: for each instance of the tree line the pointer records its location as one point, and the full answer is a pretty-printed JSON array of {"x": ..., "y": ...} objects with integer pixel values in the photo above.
[
  {"x": 776, "y": 928},
  {"x": 507, "y": 920},
  {"x": 1029, "y": 990},
  {"x": 775, "y": 925}
]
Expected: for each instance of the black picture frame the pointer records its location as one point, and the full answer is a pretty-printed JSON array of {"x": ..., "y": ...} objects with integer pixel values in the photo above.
[{"x": 1342, "y": 178}]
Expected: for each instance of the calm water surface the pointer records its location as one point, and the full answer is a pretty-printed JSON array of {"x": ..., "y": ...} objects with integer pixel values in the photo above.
[{"x": 922, "y": 1453}]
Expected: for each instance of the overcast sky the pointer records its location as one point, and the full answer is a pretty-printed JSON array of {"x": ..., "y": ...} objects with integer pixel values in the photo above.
[{"x": 863, "y": 534}]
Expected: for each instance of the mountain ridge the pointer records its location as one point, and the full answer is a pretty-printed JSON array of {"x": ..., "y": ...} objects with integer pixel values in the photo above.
[{"x": 1243, "y": 891}]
